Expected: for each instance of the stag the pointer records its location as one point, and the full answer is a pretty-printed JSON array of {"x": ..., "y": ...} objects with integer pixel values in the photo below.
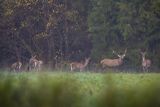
[
  {"x": 146, "y": 63},
  {"x": 16, "y": 66},
  {"x": 35, "y": 64},
  {"x": 79, "y": 65},
  {"x": 113, "y": 62}
]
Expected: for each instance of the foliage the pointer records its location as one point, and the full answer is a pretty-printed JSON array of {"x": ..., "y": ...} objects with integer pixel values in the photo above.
[
  {"x": 119, "y": 24},
  {"x": 59, "y": 89},
  {"x": 47, "y": 28},
  {"x": 70, "y": 30}
]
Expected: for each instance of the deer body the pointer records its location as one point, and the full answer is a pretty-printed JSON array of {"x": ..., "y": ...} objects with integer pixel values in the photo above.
[
  {"x": 16, "y": 66},
  {"x": 79, "y": 65},
  {"x": 111, "y": 62},
  {"x": 146, "y": 63}
]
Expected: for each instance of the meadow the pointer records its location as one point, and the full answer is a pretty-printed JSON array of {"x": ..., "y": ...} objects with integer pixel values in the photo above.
[{"x": 79, "y": 89}]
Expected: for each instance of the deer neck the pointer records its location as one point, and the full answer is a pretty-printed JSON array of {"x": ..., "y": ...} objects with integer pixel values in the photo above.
[
  {"x": 86, "y": 63},
  {"x": 143, "y": 58},
  {"x": 120, "y": 60}
]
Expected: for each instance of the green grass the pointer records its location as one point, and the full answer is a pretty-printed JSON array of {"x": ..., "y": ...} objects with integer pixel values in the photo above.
[{"x": 66, "y": 89}]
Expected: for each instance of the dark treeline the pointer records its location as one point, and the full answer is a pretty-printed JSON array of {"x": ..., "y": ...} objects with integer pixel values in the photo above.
[{"x": 60, "y": 31}]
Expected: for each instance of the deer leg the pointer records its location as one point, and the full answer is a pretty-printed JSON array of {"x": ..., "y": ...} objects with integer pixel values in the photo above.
[
  {"x": 103, "y": 66},
  {"x": 147, "y": 69},
  {"x": 81, "y": 69},
  {"x": 29, "y": 67},
  {"x": 14, "y": 70},
  {"x": 143, "y": 69},
  {"x": 19, "y": 69},
  {"x": 38, "y": 69},
  {"x": 71, "y": 68}
]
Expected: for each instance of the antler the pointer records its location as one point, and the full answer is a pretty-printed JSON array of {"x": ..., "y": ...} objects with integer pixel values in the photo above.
[
  {"x": 143, "y": 52},
  {"x": 125, "y": 51},
  {"x": 34, "y": 56},
  {"x": 115, "y": 53}
]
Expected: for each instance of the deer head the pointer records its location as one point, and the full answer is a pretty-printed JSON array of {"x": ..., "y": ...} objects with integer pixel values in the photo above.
[{"x": 121, "y": 56}]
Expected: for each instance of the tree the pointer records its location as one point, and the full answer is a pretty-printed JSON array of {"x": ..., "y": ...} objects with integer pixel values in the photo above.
[
  {"x": 117, "y": 24},
  {"x": 47, "y": 28}
]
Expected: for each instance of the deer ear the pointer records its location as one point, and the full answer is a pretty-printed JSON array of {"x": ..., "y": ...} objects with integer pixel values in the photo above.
[
  {"x": 125, "y": 50},
  {"x": 119, "y": 56},
  {"x": 34, "y": 56}
]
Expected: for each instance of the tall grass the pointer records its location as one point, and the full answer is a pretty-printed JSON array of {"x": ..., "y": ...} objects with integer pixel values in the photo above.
[
  {"x": 35, "y": 90},
  {"x": 141, "y": 90},
  {"x": 48, "y": 89}
]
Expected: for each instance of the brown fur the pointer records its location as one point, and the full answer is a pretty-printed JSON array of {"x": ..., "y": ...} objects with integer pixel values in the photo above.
[
  {"x": 111, "y": 62},
  {"x": 79, "y": 65}
]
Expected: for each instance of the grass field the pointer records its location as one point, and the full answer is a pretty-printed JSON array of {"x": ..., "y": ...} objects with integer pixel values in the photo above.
[{"x": 69, "y": 89}]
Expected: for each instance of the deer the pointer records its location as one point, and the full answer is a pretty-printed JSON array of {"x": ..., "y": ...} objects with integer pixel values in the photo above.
[
  {"x": 79, "y": 65},
  {"x": 16, "y": 66},
  {"x": 113, "y": 62},
  {"x": 32, "y": 64},
  {"x": 146, "y": 63},
  {"x": 35, "y": 64}
]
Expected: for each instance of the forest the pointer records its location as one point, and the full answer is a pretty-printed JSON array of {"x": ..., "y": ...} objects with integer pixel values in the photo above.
[
  {"x": 62, "y": 31},
  {"x": 45, "y": 44}
]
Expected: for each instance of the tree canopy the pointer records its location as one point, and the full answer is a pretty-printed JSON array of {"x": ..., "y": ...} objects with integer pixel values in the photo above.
[{"x": 59, "y": 31}]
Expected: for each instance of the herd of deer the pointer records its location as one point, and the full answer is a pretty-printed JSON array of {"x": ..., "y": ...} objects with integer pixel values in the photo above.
[{"x": 35, "y": 64}]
